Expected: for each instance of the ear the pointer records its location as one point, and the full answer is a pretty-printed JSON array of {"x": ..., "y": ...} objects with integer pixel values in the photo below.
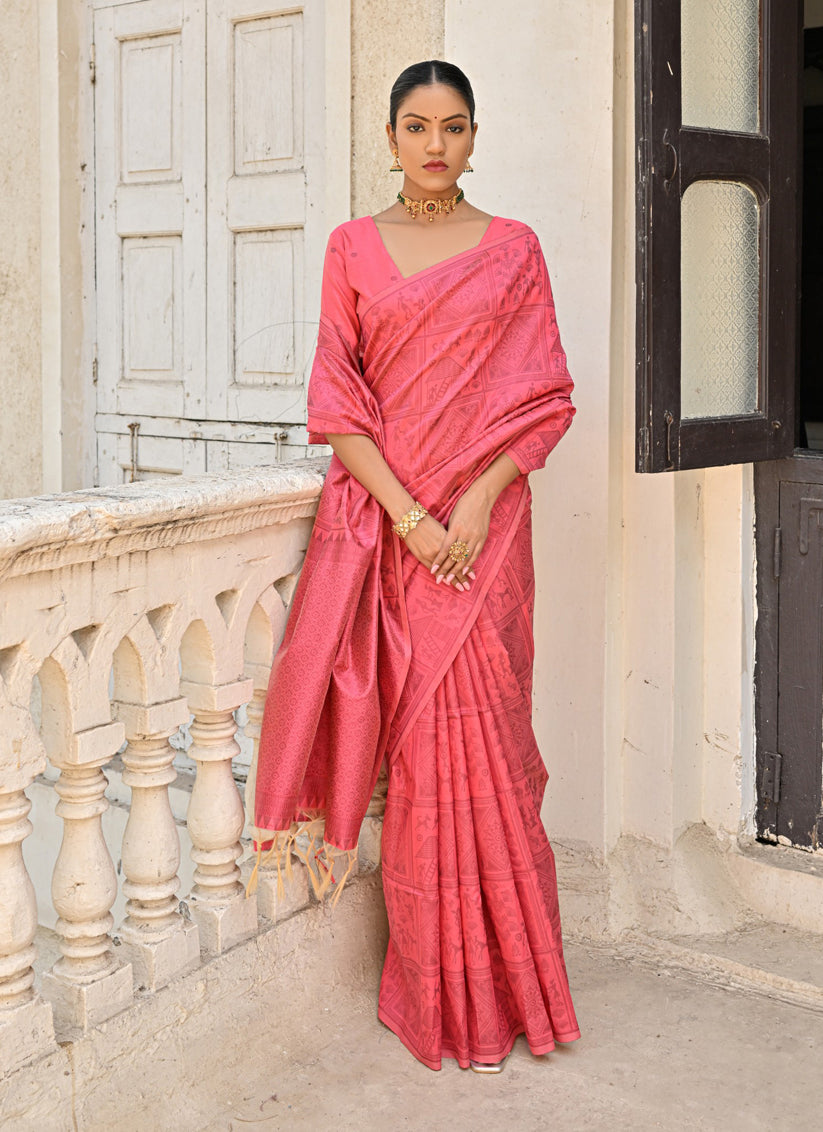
[
  {"x": 474, "y": 135},
  {"x": 392, "y": 136}
]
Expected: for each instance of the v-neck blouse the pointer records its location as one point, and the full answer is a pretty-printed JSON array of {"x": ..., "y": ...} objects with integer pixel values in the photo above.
[
  {"x": 448, "y": 259},
  {"x": 370, "y": 271}
]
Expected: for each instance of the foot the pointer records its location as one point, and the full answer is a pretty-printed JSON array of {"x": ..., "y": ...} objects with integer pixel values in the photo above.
[{"x": 488, "y": 1066}]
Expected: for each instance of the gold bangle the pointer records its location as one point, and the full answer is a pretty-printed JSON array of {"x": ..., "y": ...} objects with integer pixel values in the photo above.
[{"x": 409, "y": 520}]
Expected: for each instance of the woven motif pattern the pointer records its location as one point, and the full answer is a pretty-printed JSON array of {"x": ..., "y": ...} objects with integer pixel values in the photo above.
[{"x": 443, "y": 371}]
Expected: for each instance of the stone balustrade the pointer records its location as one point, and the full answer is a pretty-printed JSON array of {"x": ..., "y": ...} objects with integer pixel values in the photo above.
[{"x": 127, "y": 613}]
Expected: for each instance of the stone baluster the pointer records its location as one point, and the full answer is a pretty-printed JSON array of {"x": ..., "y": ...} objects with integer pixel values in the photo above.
[
  {"x": 218, "y": 902},
  {"x": 26, "y": 1028},
  {"x": 280, "y": 892},
  {"x": 87, "y": 984},
  {"x": 371, "y": 832},
  {"x": 254, "y": 724},
  {"x": 159, "y": 942}
]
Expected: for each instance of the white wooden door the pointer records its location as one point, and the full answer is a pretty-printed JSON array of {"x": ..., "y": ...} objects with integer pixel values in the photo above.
[
  {"x": 150, "y": 209},
  {"x": 214, "y": 200},
  {"x": 266, "y": 227}
]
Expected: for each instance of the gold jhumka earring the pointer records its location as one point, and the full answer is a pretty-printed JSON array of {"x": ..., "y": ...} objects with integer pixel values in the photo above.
[
  {"x": 468, "y": 168},
  {"x": 397, "y": 167}
]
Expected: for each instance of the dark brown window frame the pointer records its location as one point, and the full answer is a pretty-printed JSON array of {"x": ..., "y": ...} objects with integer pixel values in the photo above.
[{"x": 670, "y": 157}]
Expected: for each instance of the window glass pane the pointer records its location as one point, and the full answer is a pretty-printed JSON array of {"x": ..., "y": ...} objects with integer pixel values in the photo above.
[
  {"x": 720, "y": 300},
  {"x": 720, "y": 64}
]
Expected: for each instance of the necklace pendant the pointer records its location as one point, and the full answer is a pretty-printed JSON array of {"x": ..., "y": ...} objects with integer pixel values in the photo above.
[{"x": 430, "y": 208}]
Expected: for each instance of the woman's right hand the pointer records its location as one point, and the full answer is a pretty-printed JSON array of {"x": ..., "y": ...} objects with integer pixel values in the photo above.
[{"x": 425, "y": 541}]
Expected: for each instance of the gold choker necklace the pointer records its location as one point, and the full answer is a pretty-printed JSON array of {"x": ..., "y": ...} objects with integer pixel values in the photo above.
[{"x": 430, "y": 208}]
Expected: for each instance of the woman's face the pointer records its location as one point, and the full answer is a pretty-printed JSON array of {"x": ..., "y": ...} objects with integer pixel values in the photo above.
[{"x": 434, "y": 137}]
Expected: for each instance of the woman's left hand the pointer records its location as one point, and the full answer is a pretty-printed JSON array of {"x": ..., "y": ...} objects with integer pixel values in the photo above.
[{"x": 469, "y": 523}]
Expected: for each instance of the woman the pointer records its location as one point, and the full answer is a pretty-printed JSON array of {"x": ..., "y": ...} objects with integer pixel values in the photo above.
[{"x": 440, "y": 383}]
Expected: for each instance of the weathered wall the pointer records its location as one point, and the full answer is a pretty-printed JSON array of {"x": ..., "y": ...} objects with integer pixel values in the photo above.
[
  {"x": 73, "y": 141},
  {"x": 20, "y": 420},
  {"x": 387, "y": 36},
  {"x": 644, "y": 617},
  {"x": 543, "y": 83},
  {"x": 272, "y": 994}
]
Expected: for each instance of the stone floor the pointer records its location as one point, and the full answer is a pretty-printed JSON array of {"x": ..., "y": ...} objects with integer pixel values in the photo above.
[
  {"x": 281, "y": 1033},
  {"x": 660, "y": 1050}
]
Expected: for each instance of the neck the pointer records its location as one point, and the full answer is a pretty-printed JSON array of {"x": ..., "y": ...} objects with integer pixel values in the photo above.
[{"x": 416, "y": 192}]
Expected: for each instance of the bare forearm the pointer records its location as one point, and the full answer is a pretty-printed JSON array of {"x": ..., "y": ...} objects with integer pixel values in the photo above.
[
  {"x": 361, "y": 456},
  {"x": 500, "y": 473}
]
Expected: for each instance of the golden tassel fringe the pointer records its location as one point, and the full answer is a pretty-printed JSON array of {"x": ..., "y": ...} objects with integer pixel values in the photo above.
[
  {"x": 319, "y": 857},
  {"x": 281, "y": 842}
]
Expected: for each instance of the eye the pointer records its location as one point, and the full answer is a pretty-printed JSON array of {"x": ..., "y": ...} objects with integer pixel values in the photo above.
[
  {"x": 455, "y": 129},
  {"x": 414, "y": 127}
]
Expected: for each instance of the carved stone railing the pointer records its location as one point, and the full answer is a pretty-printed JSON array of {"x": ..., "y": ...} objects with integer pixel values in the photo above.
[{"x": 124, "y": 614}]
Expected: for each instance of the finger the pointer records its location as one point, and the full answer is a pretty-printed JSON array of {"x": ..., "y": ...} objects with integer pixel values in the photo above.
[
  {"x": 466, "y": 567},
  {"x": 441, "y": 560},
  {"x": 462, "y": 562},
  {"x": 459, "y": 583},
  {"x": 456, "y": 563}
]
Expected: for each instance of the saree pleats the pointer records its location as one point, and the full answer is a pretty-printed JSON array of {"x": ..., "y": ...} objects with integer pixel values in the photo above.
[
  {"x": 444, "y": 371},
  {"x": 475, "y": 954}
]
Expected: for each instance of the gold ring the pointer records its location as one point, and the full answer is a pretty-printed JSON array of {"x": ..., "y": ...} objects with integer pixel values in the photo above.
[{"x": 458, "y": 551}]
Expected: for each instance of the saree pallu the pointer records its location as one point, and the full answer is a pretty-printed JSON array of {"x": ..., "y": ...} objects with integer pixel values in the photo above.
[{"x": 444, "y": 370}]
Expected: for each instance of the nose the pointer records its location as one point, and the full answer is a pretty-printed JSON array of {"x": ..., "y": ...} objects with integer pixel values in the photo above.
[{"x": 436, "y": 144}]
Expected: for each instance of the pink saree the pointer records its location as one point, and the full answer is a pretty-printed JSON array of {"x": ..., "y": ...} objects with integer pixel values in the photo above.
[{"x": 444, "y": 370}]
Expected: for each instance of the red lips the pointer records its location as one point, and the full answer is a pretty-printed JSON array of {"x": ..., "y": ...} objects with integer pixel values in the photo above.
[{"x": 436, "y": 166}]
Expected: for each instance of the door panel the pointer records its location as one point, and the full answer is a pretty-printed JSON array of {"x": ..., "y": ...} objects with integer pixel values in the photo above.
[
  {"x": 266, "y": 231},
  {"x": 789, "y": 677},
  {"x": 150, "y": 183}
]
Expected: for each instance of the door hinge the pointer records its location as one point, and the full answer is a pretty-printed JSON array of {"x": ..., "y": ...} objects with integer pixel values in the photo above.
[
  {"x": 134, "y": 429},
  {"x": 668, "y": 421},
  {"x": 778, "y": 551},
  {"x": 92, "y": 65},
  {"x": 770, "y": 778}
]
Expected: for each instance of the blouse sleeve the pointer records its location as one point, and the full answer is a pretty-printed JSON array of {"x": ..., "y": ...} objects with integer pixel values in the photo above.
[
  {"x": 339, "y": 400},
  {"x": 531, "y": 449}
]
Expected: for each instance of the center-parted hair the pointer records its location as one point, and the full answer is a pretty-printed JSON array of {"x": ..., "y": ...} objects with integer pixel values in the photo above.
[{"x": 429, "y": 73}]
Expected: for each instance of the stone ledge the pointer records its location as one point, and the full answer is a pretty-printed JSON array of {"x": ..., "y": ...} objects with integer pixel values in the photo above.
[
  {"x": 261, "y": 991},
  {"x": 785, "y": 885},
  {"x": 80, "y": 1006},
  {"x": 767, "y": 960},
  {"x": 82, "y": 526},
  {"x": 700, "y": 886},
  {"x": 26, "y": 1033}
]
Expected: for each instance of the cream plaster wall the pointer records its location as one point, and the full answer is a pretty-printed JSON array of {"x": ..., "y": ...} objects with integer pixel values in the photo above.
[
  {"x": 644, "y": 618},
  {"x": 688, "y": 593},
  {"x": 688, "y": 598},
  {"x": 544, "y": 89},
  {"x": 68, "y": 320},
  {"x": 387, "y": 36},
  {"x": 46, "y": 255},
  {"x": 20, "y": 420}
]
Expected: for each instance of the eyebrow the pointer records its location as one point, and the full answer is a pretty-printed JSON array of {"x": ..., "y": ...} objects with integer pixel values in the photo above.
[{"x": 449, "y": 119}]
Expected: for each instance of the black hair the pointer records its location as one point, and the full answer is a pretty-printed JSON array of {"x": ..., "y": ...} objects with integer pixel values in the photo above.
[{"x": 427, "y": 74}]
